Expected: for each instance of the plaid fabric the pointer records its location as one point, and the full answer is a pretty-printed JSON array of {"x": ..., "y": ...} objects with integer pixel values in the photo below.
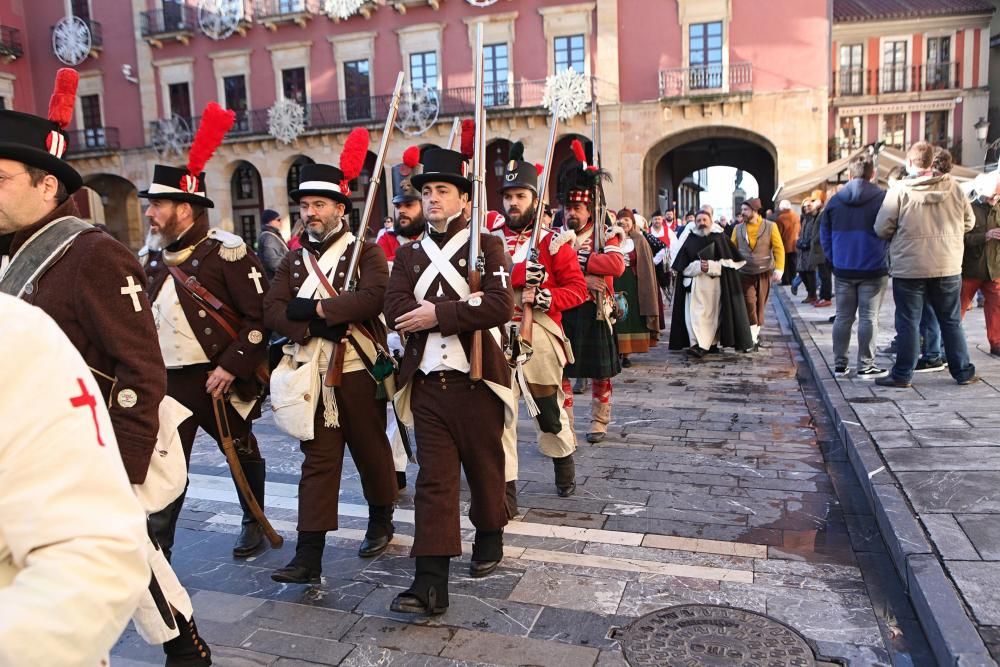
[{"x": 594, "y": 345}]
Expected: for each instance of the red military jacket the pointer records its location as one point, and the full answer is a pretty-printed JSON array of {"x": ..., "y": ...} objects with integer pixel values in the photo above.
[
  {"x": 229, "y": 270},
  {"x": 604, "y": 266},
  {"x": 455, "y": 317},
  {"x": 389, "y": 243},
  {"x": 95, "y": 293},
  {"x": 361, "y": 306},
  {"x": 564, "y": 278}
]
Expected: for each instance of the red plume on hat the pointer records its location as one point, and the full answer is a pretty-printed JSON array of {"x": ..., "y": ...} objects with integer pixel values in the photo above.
[
  {"x": 468, "y": 138},
  {"x": 539, "y": 168},
  {"x": 61, "y": 106},
  {"x": 578, "y": 152},
  {"x": 352, "y": 158},
  {"x": 411, "y": 158},
  {"x": 215, "y": 122}
]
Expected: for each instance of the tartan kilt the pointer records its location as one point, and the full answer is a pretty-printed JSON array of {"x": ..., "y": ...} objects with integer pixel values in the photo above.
[{"x": 595, "y": 347}]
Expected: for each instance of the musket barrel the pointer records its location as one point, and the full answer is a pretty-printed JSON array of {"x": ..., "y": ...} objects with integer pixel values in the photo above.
[{"x": 476, "y": 260}]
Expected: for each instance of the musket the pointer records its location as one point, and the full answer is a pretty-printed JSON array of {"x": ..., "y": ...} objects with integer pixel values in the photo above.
[
  {"x": 476, "y": 260},
  {"x": 600, "y": 206},
  {"x": 528, "y": 314},
  {"x": 456, "y": 127},
  {"x": 336, "y": 368}
]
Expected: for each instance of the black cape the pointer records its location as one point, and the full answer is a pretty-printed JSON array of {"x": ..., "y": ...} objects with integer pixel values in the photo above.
[{"x": 734, "y": 324}]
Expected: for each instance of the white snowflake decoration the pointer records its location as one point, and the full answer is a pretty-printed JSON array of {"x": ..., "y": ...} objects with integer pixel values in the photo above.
[
  {"x": 418, "y": 111},
  {"x": 219, "y": 19},
  {"x": 286, "y": 120},
  {"x": 171, "y": 136},
  {"x": 71, "y": 40},
  {"x": 567, "y": 94},
  {"x": 341, "y": 10},
  {"x": 481, "y": 3}
]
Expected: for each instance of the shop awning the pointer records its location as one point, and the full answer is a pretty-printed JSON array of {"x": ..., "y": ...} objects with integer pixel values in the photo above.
[{"x": 799, "y": 187}]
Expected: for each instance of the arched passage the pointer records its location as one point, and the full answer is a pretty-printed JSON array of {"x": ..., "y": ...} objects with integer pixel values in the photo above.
[
  {"x": 359, "y": 191},
  {"x": 497, "y": 153},
  {"x": 111, "y": 200},
  {"x": 292, "y": 180},
  {"x": 677, "y": 156},
  {"x": 248, "y": 202}
]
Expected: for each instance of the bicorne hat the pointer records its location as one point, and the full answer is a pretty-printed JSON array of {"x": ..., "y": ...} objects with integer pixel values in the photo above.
[
  {"x": 187, "y": 184},
  {"x": 41, "y": 142},
  {"x": 442, "y": 165},
  {"x": 325, "y": 180},
  {"x": 520, "y": 174},
  {"x": 402, "y": 186}
]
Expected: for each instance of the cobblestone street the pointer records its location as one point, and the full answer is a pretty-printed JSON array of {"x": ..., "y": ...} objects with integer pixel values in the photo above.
[{"x": 721, "y": 482}]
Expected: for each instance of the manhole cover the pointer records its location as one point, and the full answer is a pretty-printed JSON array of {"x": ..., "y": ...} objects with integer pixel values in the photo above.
[{"x": 697, "y": 635}]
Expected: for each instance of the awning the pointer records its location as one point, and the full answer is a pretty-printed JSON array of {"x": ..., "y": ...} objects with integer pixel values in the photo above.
[
  {"x": 891, "y": 158},
  {"x": 801, "y": 186}
]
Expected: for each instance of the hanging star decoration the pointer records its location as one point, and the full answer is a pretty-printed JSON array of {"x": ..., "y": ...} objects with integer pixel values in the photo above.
[
  {"x": 566, "y": 94},
  {"x": 341, "y": 10},
  {"x": 286, "y": 120}
]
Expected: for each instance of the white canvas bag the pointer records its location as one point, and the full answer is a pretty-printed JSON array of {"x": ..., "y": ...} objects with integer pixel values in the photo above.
[{"x": 295, "y": 390}]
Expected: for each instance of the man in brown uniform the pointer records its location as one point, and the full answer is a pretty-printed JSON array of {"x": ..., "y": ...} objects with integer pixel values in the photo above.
[
  {"x": 47, "y": 258},
  {"x": 459, "y": 422},
  {"x": 300, "y": 307},
  {"x": 212, "y": 336}
]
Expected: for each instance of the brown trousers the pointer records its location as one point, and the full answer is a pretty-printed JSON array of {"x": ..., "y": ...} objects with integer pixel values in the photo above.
[
  {"x": 756, "y": 290},
  {"x": 362, "y": 429},
  {"x": 458, "y": 427}
]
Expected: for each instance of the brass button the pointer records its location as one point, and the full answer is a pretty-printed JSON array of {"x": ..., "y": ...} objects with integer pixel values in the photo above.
[{"x": 208, "y": 331}]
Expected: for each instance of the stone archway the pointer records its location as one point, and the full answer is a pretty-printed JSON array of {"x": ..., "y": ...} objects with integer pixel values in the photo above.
[
  {"x": 248, "y": 201},
  {"x": 113, "y": 202},
  {"x": 292, "y": 179},
  {"x": 679, "y": 155}
]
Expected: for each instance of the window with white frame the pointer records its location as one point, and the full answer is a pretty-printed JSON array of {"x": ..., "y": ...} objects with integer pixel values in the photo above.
[
  {"x": 423, "y": 70},
  {"x": 850, "y": 134},
  {"x": 894, "y": 70},
  {"x": 293, "y": 84},
  {"x": 357, "y": 83},
  {"x": 938, "y": 76},
  {"x": 93, "y": 126},
  {"x": 569, "y": 53},
  {"x": 705, "y": 55},
  {"x": 894, "y": 130},
  {"x": 851, "y": 72},
  {"x": 180, "y": 100},
  {"x": 495, "y": 71},
  {"x": 235, "y": 89}
]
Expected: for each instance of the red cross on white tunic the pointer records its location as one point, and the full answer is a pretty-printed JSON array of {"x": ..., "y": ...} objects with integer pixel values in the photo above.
[{"x": 87, "y": 399}]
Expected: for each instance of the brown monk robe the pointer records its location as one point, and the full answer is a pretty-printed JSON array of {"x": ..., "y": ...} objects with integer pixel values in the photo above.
[
  {"x": 458, "y": 422},
  {"x": 359, "y": 404}
]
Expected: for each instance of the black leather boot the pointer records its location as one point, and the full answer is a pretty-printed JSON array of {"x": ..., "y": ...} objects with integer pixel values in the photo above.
[
  {"x": 188, "y": 649},
  {"x": 565, "y": 470},
  {"x": 251, "y": 539},
  {"x": 163, "y": 524},
  {"x": 429, "y": 592},
  {"x": 510, "y": 499},
  {"x": 380, "y": 531},
  {"x": 487, "y": 552},
  {"x": 306, "y": 566}
]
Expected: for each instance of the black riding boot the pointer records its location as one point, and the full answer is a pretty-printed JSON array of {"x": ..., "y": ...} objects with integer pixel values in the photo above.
[
  {"x": 187, "y": 649},
  {"x": 379, "y": 533},
  {"x": 251, "y": 538},
  {"x": 306, "y": 567},
  {"x": 565, "y": 470},
  {"x": 429, "y": 592},
  {"x": 487, "y": 552}
]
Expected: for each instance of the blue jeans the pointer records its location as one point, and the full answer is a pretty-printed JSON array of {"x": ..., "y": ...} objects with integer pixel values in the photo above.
[
  {"x": 943, "y": 295},
  {"x": 930, "y": 334},
  {"x": 857, "y": 298}
]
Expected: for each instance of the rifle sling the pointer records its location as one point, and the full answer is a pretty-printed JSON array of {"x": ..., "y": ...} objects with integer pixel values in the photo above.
[
  {"x": 219, "y": 311},
  {"x": 333, "y": 292}
]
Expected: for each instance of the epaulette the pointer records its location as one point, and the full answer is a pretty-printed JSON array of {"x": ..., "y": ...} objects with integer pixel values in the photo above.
[
  {"x": 232, "y": 248},
  {"x": 560, "y": 239},
  {"x": 143, "y": 255}
]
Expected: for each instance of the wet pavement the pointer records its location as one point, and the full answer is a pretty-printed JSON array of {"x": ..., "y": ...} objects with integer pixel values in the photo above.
[{"x": 721, "y": 482}]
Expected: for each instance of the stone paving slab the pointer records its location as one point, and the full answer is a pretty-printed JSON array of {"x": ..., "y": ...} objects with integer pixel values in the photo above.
[{"x": 928, "y": 459}]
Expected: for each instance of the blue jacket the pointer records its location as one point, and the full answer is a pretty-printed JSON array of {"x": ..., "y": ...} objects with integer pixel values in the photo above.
[{"x": 847, "y": 231}]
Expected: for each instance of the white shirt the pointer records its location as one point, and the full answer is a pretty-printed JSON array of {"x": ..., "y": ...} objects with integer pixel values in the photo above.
[{"x": 178, "y": 343}]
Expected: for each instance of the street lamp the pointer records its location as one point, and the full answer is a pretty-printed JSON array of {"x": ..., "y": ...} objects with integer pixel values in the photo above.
[
  {"x": 982, "y": 130},
  {"x": 498, "y": 165}
]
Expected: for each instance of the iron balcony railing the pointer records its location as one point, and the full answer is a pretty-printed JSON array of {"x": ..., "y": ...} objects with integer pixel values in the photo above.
[
  {"x": 279, "y": 9},
  {"x": 92, "y": 139},
  {"x": 10, "y": 42},
  {"x": 706, "y": 80},
  {"x": 174, "y": 17},
  {"x": 859, "y": 81}
]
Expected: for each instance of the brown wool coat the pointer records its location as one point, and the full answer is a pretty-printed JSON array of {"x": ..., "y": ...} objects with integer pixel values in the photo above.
[
  {"x": 231, "y": 284},
  {"x": 82, "y": 293},
  {"x": 361, "y": 306},
  {"x": 790, "y": 226},
  {"x": 454, "y": 316}
]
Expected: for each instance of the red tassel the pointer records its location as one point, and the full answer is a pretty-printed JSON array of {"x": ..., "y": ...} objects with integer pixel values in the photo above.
[
  {"x": 352, "y": 158},
  {"x": 468, "y": 138},
  {"x": 539, "y": 168},
  {"x": 215, "y": 122},
  {"x": 63, "y": 97},
  {"x": 578, "y": 151},
  {"x": 345, "y": 188},
  {"x": 411, "y": 156}
]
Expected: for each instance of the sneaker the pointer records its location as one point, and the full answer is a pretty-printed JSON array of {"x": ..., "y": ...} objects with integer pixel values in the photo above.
[
  {"x": 972, "y": 380},
  {"x": 889, "y": 381},
  {"x": 840, "y": 371},
  {"x": 930, "y": 366},
  {"x": 822, "y": 303},
  {"x": 872, "y": 372}
]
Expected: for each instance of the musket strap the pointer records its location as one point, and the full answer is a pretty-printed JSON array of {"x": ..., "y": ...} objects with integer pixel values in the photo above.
[
  {"x": 40, "y": 252},
  {"x": 331, "y": 291},
  {"x": 220, "y": 312}
]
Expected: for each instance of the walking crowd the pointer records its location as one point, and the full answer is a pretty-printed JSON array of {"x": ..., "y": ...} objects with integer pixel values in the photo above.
[{"x": 369, "y": 345}]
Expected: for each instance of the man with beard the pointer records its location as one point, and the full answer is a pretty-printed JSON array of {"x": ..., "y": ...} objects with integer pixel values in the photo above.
[
  {"x": 207, "y": 290},
  {"x": 549, "y": 286},
  {"x": 47, "y": 258},
  {"x": 708, "y": 306},
  {"x": 409, "y": 222},
  {"x": 589, "y": 326},
  {"x": 458, "y": 421},
  {"x": 302, "y": 306}
]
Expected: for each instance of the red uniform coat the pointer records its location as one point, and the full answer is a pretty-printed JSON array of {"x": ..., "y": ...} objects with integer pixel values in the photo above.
[
  {"x": 389, "y": 243},
  {"x": 83, "y": 293},
  {"x": 605, "y": 266},
  {"x": 231, "y": 283}
]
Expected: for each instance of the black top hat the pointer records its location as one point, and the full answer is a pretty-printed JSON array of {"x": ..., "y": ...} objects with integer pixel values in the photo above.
[
  {"x": 442, "y": 165},
  {"x": 176, "y": 184},
  {"x": 322, "y": 180},
  {"x": 37, "y": 142},
  {"x": 402, "y": 187},
  {"x": 517, "y": 172}
]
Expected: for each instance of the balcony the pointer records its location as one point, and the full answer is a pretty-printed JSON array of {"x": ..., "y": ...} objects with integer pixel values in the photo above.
[
  {"x": 92, "y": 140},
  {"x": 175, "y": 22},
  {"x": 895, "y": 80},
  {"x": 272, "y": 13},
  {"x": 10, "y": 44},
  {"x": 700, "y": 81}
]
